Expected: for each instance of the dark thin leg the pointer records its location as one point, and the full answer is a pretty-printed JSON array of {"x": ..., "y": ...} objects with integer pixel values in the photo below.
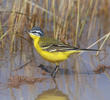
[{"x": 53, "y": 74}]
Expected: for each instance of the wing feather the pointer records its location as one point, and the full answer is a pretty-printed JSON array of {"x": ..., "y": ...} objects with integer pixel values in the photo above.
[{"x": 52, "y": 45}]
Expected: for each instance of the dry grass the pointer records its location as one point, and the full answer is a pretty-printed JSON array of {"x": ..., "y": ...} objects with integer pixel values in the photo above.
[
  {"x": 17, "y": 81},
  {"x": 65, "y": 22}
]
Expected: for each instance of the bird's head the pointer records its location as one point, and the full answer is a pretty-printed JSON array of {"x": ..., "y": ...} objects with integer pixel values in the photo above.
[{"x": 36, "y": 32}]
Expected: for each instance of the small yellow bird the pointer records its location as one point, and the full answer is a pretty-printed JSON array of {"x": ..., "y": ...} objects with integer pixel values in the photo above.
[{"x": 51, "y": 49}]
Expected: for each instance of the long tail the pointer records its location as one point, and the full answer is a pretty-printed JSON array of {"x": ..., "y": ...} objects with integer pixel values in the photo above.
[
  {"x": 88, "y": 49},
  {"x": 78, "y": 49}
]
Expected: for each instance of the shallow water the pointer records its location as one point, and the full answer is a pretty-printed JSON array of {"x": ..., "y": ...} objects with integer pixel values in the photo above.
[{"x": 74, "y": 81}]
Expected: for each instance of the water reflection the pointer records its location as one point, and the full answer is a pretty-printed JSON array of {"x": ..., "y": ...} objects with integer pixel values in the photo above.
[{"x": 52, "y": 94}]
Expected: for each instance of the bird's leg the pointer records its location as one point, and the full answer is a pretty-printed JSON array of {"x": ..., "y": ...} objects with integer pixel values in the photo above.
[
  {"x": 44, "y": 68},
  {"x": 53, "y": 74}
]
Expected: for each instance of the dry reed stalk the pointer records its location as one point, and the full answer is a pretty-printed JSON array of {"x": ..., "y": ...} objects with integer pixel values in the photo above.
[{"x": 92, "y": 21}]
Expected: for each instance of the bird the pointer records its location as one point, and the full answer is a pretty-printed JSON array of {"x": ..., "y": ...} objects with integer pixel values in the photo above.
[{"x": 51, "y": 49}]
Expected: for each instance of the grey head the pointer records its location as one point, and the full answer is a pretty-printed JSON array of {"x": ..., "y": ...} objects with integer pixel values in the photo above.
[{"x": 36, "y": 31}]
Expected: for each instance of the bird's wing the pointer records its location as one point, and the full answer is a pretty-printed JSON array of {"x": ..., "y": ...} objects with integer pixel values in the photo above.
[{"x": 52, "y": 45}]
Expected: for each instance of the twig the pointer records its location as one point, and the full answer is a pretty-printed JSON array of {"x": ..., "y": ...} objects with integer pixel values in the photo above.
[
  {"x": 96, "y": 42},
  {"x": 23, "y": 65},
  {"x": 101, "y": 69}
]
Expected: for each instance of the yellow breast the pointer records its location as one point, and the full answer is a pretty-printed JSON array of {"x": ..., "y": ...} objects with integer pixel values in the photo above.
[{"x": 54, "y": 57}]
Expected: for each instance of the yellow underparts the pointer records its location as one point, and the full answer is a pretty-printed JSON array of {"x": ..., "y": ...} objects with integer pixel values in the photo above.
[{"x": 54, "y": 57}]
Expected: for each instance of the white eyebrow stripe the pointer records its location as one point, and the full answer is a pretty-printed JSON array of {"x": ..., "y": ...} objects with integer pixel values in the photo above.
[{"x": 38, "y": 31}]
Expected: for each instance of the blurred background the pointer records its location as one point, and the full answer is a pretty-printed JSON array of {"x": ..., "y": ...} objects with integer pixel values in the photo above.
[{"x": 81, "y": 23}]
